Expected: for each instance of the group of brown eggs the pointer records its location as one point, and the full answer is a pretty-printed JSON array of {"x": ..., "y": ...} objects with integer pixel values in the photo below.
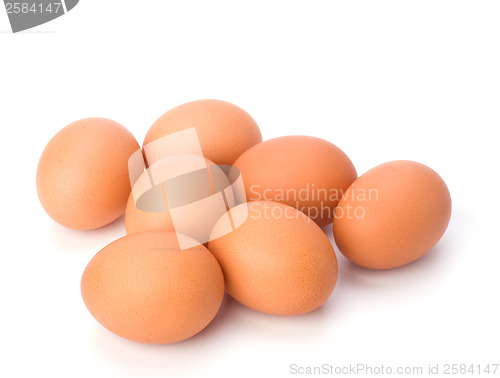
[{"x": 146, "y": 287}]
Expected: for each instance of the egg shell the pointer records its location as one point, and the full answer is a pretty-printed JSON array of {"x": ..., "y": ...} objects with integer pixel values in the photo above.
[
  {"x": 304, "y": 172},
  {"x": 278, "y": 261},
  {"x": 144, "y": 288},
  {"x": 225, "y": 131},
  {"x": 392, "y": 215},
  {"x": 82, "y": 177}
]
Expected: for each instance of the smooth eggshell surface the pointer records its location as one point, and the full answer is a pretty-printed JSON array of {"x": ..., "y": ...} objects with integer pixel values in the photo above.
[
  {"x": 278, "y": 261},
  {"x": 392, "y": 215},
  {"x": 225, "y": 131},
  {"x": 82, "y": 178},
  {"x": 304, "y": 172},
  {"x": 144, "y": 288}
]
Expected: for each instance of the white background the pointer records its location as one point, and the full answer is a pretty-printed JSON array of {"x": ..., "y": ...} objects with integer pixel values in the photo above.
[{"x": 383, "y": 80}]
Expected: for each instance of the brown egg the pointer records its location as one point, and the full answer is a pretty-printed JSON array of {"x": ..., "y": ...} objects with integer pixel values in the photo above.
[
  {"x": 278, "y": 261},
  {"x": 392, "y": 215},
  {"x": 304, "y": 172},
  {"x": 144, "y": 288},
  {"x": 225, "y": 131},
  {"x": 82, "y": 178}
]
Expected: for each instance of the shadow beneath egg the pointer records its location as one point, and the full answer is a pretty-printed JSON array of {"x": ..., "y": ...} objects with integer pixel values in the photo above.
[
  {"x": 353, "y": 275},
  {"x": 432, "y": 265},
  {"x": 154, "y": 356},
  {"x": 232, "y": 317},
  {"x": 85, "y": 240},
  {"x": 283, "y": 327},
  {"x": 328, "y": 230}
]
